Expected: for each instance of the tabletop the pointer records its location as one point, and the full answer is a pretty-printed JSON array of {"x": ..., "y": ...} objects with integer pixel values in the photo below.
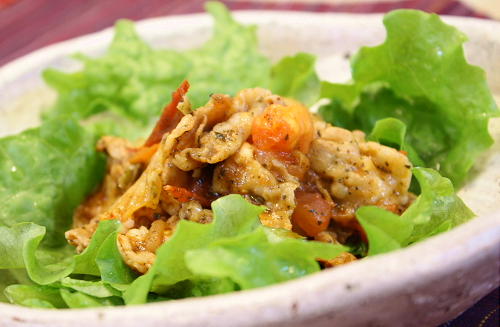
[{"x": 26, "y": 25}]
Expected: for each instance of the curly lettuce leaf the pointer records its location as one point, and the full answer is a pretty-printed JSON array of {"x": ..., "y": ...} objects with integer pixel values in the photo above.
[
  {"x": 35, "y": 296},
  {"x": 13, "y": 242},
  {"x": 20, "y": 248},
  {"x": 196, "y": 287},
  {"x": 11, "y": 277},
  {"x": 85, "y": 262},
  {"x": 436, "y": 210},
  {"x": 133, "y": 81},
  {"x": 79, "y": 300},
  {"x": 295, "y": 77},
  {"x": 45, "y": 173},
  {"x": 385, "y": 231},
  {"x": 96, "y": 288},
  {"x": 44, "y": 265},
  {"x": 232, "y": 216},
  {"x": 112, "y": 268},
  {"x": 229, "y": 62},
  {"x": 69, "y": 293},
  {"x": 256, "y": 259},
  {"x": 420, "y": 76},
  {"x": 198, "y": 257}
]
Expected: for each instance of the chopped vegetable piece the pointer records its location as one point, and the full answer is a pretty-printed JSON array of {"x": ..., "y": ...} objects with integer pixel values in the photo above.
[{"x": 312, "y": 214}]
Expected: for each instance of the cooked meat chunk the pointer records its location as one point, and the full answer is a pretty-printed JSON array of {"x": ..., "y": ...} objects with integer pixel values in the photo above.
[
  {"x": 132, "y": 246},
  {"x": 215, "y": 112},
  {"x": 359, "y": 173},
  {"x": 138, "y": 245},
  {"x": 193, "y": 211},
  {"x": 224, "y": 139},
  {"x": 243, "y": 174},
  {"x": 256, "y": 99}
]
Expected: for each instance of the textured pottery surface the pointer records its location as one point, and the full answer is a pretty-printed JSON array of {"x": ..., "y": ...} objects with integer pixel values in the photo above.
[{"x": 425, "y": 284}]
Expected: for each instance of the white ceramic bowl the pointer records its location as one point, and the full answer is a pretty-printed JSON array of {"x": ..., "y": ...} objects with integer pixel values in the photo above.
[{"x": 425, "y": 284}]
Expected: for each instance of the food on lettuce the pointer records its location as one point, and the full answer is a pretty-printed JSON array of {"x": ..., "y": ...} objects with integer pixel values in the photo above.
[
  {"x": 247, "y": 190},
  {"x": 310, "y": 177}
]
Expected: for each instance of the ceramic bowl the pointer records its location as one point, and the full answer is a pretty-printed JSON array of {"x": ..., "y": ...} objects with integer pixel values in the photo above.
[{"x": 425, "y": 284}]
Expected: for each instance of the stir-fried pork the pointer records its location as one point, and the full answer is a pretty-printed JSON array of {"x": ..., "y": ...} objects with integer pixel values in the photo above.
[
  {"x": 310, "y": 175},
  {"x": 359, "y": 173}
]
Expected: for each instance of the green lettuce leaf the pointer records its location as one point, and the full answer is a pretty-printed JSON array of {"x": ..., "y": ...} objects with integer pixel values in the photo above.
[
  {"x": 11, "y": 277},
  {"x": 229, "y": 62},
  {"x": 436, "y": 210},
  {"x": 20, "y": 248},
  {"x": 132, "y": 82},
  {"x": 45, "y": 173},
  {"x": 296, "y": 77},
  {"x": 419, "y": 75},
  {"x": 385, "y": 231},
  {"x": 255, "y": 259},
  {"x": 110, "y": 262},
  {"x": 124, "y": 91},
  {"x": 35, "y": 296},
  {"x": 14, "y": 240},
  {"x": 69, "y": 292},
  {"x": 96, "y": 288},
  {"x": 78, "y": 300},
  {"x": 233, "y": 215},
  {"x": 85, "y": 262},
  {"x": 196, "y": 287}
]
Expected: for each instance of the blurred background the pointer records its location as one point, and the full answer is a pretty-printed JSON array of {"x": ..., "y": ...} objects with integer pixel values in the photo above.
[{"x": 26, "y": 25}]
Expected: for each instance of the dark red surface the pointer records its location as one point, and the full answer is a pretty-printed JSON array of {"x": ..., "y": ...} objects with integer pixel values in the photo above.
[{"x": 26, "y": 25}]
